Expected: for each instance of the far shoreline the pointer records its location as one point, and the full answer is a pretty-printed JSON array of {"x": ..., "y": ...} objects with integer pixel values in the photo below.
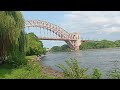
[{"x": 86, "y": 50}]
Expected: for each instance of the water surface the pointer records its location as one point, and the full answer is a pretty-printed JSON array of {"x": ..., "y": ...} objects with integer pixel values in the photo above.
[{"x": 103, "y": 59}]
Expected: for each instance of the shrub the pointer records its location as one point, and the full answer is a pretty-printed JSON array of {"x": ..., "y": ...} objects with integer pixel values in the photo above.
[
  {"x": 114, "y": 74},
  {"x": 16, "y": 59},
  {"x": 96, "y": 74},
  {"x": 73, "y": 71}
]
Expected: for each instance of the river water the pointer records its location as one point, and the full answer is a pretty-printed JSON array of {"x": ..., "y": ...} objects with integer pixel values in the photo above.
[{"x": 103, "y": 59}]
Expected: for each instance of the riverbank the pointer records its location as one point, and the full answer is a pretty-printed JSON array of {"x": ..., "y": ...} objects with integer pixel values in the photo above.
[
  {"x": 32, "y": 70},
  {"x": 46, "y": 70},
  {"x": 50, "y": 72}
]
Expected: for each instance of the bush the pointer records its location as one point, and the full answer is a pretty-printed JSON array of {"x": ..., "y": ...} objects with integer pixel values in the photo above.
[
  {"x": 16, "y": 59},
  {"x": 96, "y": 74},
  {"x": 73, "y": 71},
  {"x": 114, "y": 74}
]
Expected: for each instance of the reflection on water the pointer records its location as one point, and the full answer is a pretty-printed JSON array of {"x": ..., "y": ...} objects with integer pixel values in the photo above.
[{"x": 104, "y": 59}]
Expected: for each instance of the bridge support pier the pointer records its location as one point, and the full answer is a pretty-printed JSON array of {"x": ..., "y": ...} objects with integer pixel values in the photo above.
[
  {"x": 77, "y": 45},
  {"x": 74, "y": 45},
  {"x": 76, "y": 48}
]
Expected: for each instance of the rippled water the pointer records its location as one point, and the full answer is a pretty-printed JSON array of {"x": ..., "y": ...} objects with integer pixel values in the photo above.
[{"x": 103, "y": 59}]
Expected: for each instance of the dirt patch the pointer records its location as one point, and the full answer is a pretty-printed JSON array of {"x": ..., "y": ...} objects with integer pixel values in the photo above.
[{"x": 49, "y": 71}]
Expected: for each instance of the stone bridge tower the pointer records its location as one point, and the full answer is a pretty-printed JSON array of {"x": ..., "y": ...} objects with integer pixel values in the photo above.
[{"x": 75, "y": 43}]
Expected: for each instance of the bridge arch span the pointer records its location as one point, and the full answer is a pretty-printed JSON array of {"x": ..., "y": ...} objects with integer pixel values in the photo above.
[
  {"x": 72, "y": 39},
  {"x": 49, "y": 26}
]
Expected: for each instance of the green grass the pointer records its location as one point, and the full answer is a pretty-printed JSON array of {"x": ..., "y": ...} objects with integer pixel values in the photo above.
[
  {"x": 5, "y": 69},
  {"x": 30, "y": 71}
]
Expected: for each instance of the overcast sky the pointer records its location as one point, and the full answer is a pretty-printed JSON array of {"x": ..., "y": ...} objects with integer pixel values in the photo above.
[{"x": 95, "y": 25}]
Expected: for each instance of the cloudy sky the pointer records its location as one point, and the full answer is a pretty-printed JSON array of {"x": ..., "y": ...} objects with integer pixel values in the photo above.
[{"x": 94, "y": 25}]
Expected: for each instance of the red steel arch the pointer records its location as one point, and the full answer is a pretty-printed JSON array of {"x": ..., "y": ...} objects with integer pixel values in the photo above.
[{"x": 69, "y": 38}]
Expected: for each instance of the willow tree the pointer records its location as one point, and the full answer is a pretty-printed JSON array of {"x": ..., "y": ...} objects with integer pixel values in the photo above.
[{"x": 12, "y": 36}]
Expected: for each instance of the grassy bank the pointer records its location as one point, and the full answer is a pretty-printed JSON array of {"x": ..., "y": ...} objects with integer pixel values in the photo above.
[{"x": 33, "y": 70}]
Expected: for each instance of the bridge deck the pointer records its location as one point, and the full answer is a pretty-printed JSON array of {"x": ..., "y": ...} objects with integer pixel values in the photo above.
[{"x": 60, "y": 39}]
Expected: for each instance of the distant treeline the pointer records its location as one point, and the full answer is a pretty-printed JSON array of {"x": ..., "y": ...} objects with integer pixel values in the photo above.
[
  {"x": 60, "y": 48},
  {"x": 100, "y": 44},
  {"x": 89, "y": 45}
]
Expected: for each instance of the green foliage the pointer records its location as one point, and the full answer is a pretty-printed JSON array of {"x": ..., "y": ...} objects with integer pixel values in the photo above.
[
  {"x": 73, "y": 71},
  {"x": 96, "y": 74},
  {"x": 88, "y": 45},
  {"x": 56, "y": 49},
  {"x": 99, "y": 44},
  {"x": 12, "y": 35},
  {"x": 23, "y": 73},
  {"x": 16, "y": 59},
  {"x": 35, "y": 46},
  {"x": 117, "y": 43},
  {"x": 61, "y": 48},
  {"x": 32, "y": 70},
  {"x": 105, "y": 44},
  {"x": 114, "y": 74}
]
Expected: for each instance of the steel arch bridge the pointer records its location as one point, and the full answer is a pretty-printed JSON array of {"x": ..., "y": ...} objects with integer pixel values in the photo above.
[{"x": 57, "y": 33}]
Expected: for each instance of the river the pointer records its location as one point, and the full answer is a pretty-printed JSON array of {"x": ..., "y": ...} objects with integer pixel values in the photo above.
[{"x": 103, "y": 59}]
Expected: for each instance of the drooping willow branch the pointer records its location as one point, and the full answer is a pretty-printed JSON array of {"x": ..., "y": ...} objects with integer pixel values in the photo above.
[{"x": 12, "y": 35}]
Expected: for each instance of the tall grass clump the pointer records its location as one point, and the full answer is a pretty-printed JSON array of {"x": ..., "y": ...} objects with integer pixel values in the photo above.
[{"x": 12, "y": 37}]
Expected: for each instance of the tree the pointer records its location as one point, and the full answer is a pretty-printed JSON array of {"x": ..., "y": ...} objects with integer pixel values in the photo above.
[
  {"x": 98, "y": 44},
  {"x": 88, "y": 45},
  {"x": 56, "y": 48},
  {"x": 12, "y": 35},
  {"x": 35, "y": 46},
  {"x": 61, "y": 48},
  {"x": 105, "y": 44},
  {"x": 117, "y": 43},
  {"x": 65, "y": 48}
]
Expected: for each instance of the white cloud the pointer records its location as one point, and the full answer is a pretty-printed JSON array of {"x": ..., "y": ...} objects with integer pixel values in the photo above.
[
  {"x": 99, "y": 22},
  {"x": 109, "y": 30},
  {"x": 106, "y": 25},
  {"x": 98, "y": 19}
]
